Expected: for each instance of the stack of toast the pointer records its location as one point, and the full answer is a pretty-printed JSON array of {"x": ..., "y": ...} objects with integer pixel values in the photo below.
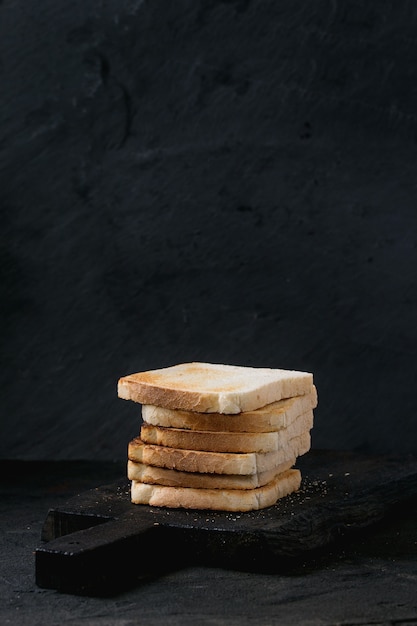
[{"x": 218, "y": 437}]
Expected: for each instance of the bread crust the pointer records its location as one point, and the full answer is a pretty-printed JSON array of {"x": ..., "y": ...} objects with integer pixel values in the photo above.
[
  {"x": 216, "y": 462},
  {"x": 213, "y": 388},
  {"x": 270, "y": 418},
  {"x": 175, "y": 478},
  {"x": 217, "y": 499},
  {"x": 210, "y": 441}
]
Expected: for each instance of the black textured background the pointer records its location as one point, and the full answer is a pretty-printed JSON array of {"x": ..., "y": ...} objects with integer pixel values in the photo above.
[{"x": 230, "y": 181}]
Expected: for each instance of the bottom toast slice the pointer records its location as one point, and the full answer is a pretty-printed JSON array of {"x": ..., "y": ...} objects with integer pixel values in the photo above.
[{"x": 217, "y": 499}]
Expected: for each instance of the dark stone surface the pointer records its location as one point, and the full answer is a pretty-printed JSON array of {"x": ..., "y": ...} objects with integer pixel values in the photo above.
[
  {"x": 370, "y": 580},
  {"x": 220, "y": 181}
]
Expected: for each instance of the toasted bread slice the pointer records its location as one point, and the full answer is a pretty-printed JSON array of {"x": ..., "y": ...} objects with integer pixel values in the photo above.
[
  {"x": 217, "y": 499},
  {"x": 211, "y": 441},
  {"x": 217, "y": 462},
  {"x": 174, "y": 478},
  {"x": 266, "y": 419},
  {"x": 213, "y": 388}
]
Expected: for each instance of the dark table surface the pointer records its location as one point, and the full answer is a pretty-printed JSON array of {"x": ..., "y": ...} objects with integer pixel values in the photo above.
[{"x": 370, "y": 578}]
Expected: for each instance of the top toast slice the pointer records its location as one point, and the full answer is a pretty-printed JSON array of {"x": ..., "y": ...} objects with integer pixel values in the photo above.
[{"x": 213, "y": 388}]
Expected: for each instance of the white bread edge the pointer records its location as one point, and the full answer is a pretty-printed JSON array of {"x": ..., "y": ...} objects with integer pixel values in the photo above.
[
  {"x": 210, "y": 441},
  {"x": 216, "y": 462},
  {"x": 214, "y": 499},
  {"x": 175, "y": 478},
  {"x": 272, "y": 417}
]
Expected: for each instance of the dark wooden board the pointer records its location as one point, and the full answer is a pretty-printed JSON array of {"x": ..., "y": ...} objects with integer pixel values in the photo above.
[{"x": 100, "y": 543}]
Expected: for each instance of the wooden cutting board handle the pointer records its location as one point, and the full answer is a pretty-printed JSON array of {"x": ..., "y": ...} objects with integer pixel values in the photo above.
[{"x": 103, "y": 559}]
